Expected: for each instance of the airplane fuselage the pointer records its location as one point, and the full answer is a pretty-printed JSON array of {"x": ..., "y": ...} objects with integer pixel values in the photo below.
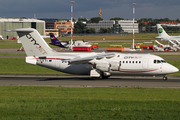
[
  {"x": 167, "y": 38},
  {"x": 129, "y": 64}
]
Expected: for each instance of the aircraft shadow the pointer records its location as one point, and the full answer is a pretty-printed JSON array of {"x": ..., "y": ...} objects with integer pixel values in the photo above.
[{"x": 109, "y": 79}]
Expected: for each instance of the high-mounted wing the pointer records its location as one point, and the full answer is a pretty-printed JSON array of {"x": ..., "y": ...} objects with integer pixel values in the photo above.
[{"x": 84, "y": 60}]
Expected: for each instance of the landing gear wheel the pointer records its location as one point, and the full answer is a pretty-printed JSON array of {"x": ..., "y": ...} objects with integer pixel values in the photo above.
[
  {"x": 164, "y": 78},
  {"x": 105, "y": 77},
  {"x": 94, "y": 78}
]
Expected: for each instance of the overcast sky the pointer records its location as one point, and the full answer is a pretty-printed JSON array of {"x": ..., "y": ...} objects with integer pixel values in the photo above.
[{"x": 90, "y": 8}]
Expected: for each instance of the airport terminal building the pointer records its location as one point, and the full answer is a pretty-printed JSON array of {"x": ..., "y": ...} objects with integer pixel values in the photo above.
[{"x": 15, "y": 23}]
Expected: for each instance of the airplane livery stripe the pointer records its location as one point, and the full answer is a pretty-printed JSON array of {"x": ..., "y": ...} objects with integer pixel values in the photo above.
[
  {"x": 138, "y": 71},
  {"x": 56, "y": 58}
]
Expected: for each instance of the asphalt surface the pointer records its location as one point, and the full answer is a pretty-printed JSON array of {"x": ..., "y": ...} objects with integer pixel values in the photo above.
[{"x": 86, "y": 81}]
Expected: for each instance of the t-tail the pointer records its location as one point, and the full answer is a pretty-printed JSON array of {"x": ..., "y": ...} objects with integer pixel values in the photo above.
[
  {"x": 161, "y": 31},
  {"x": 33, "y": 42},
  {"x": 55, "y": 41}
]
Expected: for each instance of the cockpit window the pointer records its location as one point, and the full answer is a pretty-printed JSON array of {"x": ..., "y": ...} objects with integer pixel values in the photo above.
[
  {"x": 155, "y": 61},
  {"x": 159, "y": 61},
  {"x": 163, "y": 61}
]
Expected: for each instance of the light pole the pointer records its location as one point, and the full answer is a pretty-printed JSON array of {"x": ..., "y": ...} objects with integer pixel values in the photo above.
[
  {"x": 133, "y": 22},
  {"x": 71, "y": 23}
]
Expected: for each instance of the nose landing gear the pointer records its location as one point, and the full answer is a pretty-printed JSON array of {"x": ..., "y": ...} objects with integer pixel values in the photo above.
[{"x": 164, "y": 78}]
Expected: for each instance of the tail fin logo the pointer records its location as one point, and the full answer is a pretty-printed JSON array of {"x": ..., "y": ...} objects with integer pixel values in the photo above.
[
  {"x": 160, "y": 30},
  {"x": 32, "y": 39},
  {"x": 53, "y": 38},
  {"x": 35, "y": 43}
]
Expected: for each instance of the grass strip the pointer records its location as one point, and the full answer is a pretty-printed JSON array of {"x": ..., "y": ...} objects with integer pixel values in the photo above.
[
  {"x": 168, "y": 55},
  {"x": 13, "y": 54},
  {"x": 141, "y": 36},
  {"x": 109, "y": 37},
  {"x": 19, "y": 66},
  {"x": 4, "y": 46},
  {"x": 88, "y": 103}
]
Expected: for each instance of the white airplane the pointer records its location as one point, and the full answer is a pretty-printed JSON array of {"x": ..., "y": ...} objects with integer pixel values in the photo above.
[
  {"x": 94, "y": 64},
  {"x": 164, "y": 36}
]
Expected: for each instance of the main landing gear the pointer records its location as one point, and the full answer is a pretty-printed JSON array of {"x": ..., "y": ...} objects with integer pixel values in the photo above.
[
  {"x": 164, "y": 78},
  {"x": 95, "y": 74}
]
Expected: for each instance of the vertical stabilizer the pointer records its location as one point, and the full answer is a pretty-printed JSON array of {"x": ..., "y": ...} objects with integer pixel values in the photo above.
[
  {"x": 33, "y": 42},
  {"x": 161, "y": 31}
]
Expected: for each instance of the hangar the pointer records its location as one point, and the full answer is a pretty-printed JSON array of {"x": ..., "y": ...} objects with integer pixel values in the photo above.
[{"x": 14, "y": 23}]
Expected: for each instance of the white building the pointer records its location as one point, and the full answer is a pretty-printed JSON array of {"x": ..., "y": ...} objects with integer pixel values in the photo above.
[{"x": 127, "y": 26}]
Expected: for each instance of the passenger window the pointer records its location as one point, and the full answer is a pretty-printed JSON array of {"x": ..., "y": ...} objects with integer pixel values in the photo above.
[
  {"x": 139, "y": 61},
  {"x": 126, "y": 61},
  {"x": 129, "y": 61},
  {"x": 136, "y": 61},
  {"x": 133, "y": 62},
  {"x": 123, "y": 61}
]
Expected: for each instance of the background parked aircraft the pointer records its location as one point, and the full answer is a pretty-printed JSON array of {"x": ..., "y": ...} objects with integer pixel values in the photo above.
[
  {"x": 164, "y": 36},
  {"x": 67, "y": 44}
]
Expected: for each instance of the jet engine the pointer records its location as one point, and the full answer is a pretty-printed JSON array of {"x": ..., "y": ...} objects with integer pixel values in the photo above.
[
  {"x": 115, "y": 65},
  {"x": 103, "y": 66}
]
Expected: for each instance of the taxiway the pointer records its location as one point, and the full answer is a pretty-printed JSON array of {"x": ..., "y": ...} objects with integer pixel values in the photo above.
[{"x": 86, "y": 81}]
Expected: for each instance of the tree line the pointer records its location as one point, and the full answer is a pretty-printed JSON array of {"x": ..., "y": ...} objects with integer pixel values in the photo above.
[{"x": 153, "y": 22}]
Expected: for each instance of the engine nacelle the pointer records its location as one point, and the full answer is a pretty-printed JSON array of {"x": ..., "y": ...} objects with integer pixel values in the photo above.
[
  {"x": 115, "y": 65},
  {"x": 103, "y": 66}
]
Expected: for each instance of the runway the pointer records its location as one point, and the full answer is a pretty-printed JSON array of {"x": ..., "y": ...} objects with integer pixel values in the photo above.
[{"x": 86, "y": 81}]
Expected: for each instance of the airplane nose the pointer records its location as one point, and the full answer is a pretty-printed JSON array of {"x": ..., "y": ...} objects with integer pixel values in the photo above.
[
  {"x": 174, "y": 69},
  {"x": 167, "y": 68}
]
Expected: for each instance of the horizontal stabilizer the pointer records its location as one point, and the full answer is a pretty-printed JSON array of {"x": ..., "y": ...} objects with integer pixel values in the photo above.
[
  {"x": 31, "y": 60},
  {"x": 21, "y": 30}
]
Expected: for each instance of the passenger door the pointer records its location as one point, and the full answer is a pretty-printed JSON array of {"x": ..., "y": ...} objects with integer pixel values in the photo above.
[{"x": 145, "y": 63}]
